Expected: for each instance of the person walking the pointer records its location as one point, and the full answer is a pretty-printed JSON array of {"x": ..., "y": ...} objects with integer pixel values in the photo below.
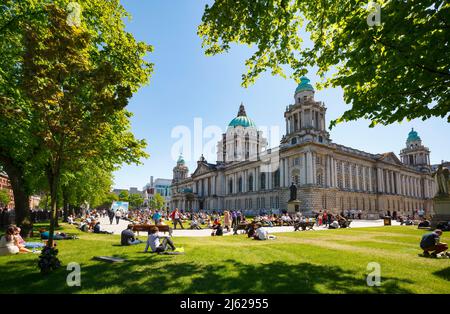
[
  {"x": 176, "y": 218},
  {"x": 111, "y": 216},
  {"x": 227, "y": 220},
  {"x": 118, "y": 215}
]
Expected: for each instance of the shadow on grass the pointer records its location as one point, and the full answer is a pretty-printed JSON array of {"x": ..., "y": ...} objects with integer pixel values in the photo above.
[
  {"x": 443, "y": 273},
  {"x": 157, "y": 274}
]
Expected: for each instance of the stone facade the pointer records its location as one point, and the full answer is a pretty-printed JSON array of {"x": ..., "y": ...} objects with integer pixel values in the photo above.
[{"x": 328, "y": 175}]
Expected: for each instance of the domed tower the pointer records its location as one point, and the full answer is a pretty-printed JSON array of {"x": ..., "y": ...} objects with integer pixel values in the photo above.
[
  {"x": 180, "y": 171},
  {"x": 305, "y": 119},
  {"x": 242, "y": 141},
  {"x": 415, "y": 154}
]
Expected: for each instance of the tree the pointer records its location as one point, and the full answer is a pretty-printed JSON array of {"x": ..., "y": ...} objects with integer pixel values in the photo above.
[
  {"x": 78, "y": 93},
  {"x": 157, "y": 201},
  {"x": 4, "y": 197},
  {"x": 124, "y": 196},
  {"x": 135, "y": 201},
  {"x": 109, "y": 43},
  {"x": 392, "y": 71}
]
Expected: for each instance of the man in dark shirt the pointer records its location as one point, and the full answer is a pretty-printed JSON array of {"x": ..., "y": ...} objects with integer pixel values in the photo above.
[
  {"x": 430, "y": 243},
  {"x": 127, "y": 237}
]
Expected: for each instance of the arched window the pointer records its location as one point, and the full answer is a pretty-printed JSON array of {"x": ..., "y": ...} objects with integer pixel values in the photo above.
[
  {"x": 230, "y": 186},
  {"x": 276, "y": 178},
  {"x": 250, "y": 183},
  {"x": 240, "y": 184},
  {"x": 263, "y": 181}
]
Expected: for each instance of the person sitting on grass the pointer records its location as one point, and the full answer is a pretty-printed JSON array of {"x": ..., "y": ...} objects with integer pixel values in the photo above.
[
  {"x": 127, "y": 236},
  {"x": 195, "y": 224},
  {"x": 431, "y": 243},
  {"x": 157, "y": 246},
  {"x": 334, "y": 225},
  {"x": 7, "y": 243},
  {"x": 261, "y": 233},
  {"x": 24, "y": 247},
  {"x": 217, "y": 229}
]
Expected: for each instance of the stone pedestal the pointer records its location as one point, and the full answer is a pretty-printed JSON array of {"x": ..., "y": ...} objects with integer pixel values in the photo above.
[
  {"x": 293, "y": 206},
  {"x": 441, "y": 208}
]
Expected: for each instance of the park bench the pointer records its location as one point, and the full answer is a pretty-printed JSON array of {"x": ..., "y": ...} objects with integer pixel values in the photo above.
[{"x": 147, "y": 228}]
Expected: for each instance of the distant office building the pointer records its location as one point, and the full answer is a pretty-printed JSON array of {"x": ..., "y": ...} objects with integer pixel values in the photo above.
[{"x": 158, "y": 186}]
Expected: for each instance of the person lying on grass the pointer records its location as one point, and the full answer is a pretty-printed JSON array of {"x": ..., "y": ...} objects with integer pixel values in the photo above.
[
  {"x": 157, "y": 246},
  {"x": 431, "y": 243}
]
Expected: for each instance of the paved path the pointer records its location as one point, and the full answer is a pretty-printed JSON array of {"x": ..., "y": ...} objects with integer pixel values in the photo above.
[{"x": 117, "y": 228}]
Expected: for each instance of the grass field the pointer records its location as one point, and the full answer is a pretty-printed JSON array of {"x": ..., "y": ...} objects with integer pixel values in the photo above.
[{"x": 333, "y": 261}]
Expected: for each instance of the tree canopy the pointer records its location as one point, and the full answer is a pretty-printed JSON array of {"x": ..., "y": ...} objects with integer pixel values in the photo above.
[{"x": 399, "y": 69}]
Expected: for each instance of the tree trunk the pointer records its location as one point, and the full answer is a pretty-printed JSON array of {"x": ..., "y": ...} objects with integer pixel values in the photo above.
[
  {"x": 21, "y": 196},
  {"x": 53, "y": 180},
  {"x": 65, "y": 205}
]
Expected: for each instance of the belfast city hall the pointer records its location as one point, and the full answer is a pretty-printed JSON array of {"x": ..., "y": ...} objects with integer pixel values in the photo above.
[{"x": 327, "y": 176}]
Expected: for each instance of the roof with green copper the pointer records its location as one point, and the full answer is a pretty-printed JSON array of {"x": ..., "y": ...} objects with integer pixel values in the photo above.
[
  {"x": 304, "y": 85},
  {"x": 413, "y": 136},
  {"x": 180, "y": 160},
  {"x": 242, "y": 119}
]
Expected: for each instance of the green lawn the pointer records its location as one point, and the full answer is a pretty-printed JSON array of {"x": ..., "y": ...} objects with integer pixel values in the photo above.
[{"x": 333, "y": 261}]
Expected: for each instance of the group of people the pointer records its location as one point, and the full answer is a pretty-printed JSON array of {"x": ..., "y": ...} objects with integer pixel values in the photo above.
[{"x": 157, "y": 242}]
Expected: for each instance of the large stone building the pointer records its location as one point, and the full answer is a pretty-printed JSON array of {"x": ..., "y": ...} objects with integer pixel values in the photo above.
[{"x": 247, "y": 176}]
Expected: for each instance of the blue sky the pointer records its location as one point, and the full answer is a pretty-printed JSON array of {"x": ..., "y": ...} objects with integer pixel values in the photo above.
[{"x": 186, "y": 85}]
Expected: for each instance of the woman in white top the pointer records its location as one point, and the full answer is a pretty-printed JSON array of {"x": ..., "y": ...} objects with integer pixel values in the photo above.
[{"x": 7, "y": 243}]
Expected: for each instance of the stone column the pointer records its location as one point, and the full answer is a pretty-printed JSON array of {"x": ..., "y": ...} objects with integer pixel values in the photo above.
[
  {"x": 314, "y": 170},
  {"x": 350, "y": 173},
  {"x": 357, "y": 170},
  {"x": 379, "y": 180},
  {"x": 282, "y": 173},
  {"x": 328, "y": 164},
  {"x": 344, "y": 175},
  {"x": 309, "y": 168},
  {"x": 370, "y": 188},
  {"x": 303, "y": 169},
  {"x": 335, "y": 184},
  {"x": 286, "y": 172}
]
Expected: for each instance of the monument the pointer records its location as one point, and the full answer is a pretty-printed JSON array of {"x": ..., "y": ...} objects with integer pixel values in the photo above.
[
  {"x": 293, "y": 203},
  {"x": 441, "y": 202}
]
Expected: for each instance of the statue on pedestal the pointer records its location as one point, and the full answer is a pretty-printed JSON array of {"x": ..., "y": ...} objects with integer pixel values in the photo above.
[
  {"x": 442, "y": 179},
  {"x": 293, "y": 189}
]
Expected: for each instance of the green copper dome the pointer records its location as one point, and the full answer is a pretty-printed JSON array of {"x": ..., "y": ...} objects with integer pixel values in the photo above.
[
  {"x": 304, "y": 85},
  {"x": 242, "y": 119},
  {"x": 412, "y": 136},
  {"x": 180, "y": 160}
]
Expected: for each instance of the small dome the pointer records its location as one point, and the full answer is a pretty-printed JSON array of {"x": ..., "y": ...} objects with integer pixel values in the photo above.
[
  {"x": 413, "y": 136},
  {"x": 180, "y": 160},
  {"x": 304, "y": 85},
  {"x": 242, "y": 119}
]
